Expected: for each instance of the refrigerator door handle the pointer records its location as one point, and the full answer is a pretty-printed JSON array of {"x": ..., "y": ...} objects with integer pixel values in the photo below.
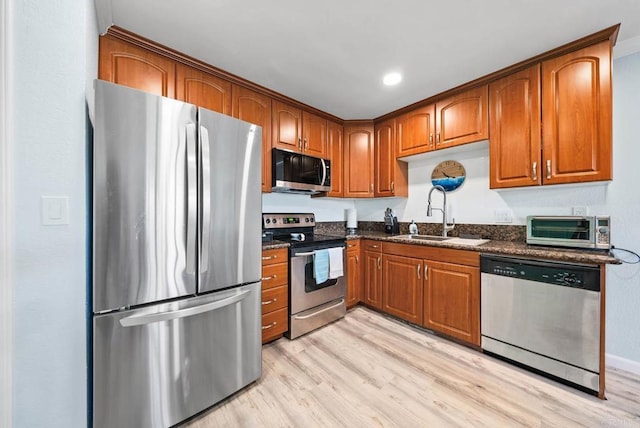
[
  {"x": 137, "y": 320},
  {"x": 192, "y": 197},
  {"x": 205, "y": 226}
]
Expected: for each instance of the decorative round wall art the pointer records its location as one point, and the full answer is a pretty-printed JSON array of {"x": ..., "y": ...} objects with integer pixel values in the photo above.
[{"x": 449, "y": 174}]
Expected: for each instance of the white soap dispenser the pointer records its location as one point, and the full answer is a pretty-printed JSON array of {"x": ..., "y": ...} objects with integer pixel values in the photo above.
[{"x": 413, "y": 228}]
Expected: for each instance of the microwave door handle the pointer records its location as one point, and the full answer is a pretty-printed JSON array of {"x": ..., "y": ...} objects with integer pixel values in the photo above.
[{"x": 324, "y": 171}]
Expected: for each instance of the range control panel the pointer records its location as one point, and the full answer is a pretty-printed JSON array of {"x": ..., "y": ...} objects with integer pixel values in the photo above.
[
  {"x": 282, "y": 221},
  {"x": 563, "y": 274}
]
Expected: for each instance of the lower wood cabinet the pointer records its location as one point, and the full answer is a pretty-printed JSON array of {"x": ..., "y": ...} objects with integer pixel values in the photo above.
[
  {"x": 372, "y": 274},
  {"x": 402, "y": 287},
  {"x": 275, "y": 294},
  {"x": 452, "y": 300},
  {"x": 354, "y": 273}
]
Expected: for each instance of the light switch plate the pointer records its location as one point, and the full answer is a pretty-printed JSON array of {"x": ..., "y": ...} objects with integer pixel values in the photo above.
[
  {"x": 55, "y": 210},
  {"x": 503, "y": 216},
  {"x": 581, "y": 211}
]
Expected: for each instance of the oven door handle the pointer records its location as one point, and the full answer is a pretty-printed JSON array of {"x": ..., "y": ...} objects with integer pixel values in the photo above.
[
  {"x": 310, "y": 253},
  {"x": 304, "y": 317}
]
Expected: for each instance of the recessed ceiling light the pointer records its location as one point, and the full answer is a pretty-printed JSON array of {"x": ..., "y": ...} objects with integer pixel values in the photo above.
[{"x": 391, "y": 79}]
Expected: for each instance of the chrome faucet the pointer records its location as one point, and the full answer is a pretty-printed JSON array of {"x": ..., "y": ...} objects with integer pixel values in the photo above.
[{"x": 446, "y": 227}]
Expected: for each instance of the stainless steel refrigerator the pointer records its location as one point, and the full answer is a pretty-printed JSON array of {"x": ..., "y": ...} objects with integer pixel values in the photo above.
[{"x": 176, "y": 258}]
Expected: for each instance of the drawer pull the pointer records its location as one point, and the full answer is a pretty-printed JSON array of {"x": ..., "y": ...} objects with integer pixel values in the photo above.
[
  {"x": 357, "y": 260},
  {"x": 266, "y": 327},
  {"x": 270, "y": 257},
  {"x": 268, "y": 302},
  {"x": 269, "y": 278},
  {"x": 374, "y": 246}
]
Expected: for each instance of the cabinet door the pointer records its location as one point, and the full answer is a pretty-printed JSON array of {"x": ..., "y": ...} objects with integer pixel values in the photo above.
[
  {"x": 373, "y": 279},
  {"x": 402, "y": 287},
  {"x": 390, "y": 175},
  {"x": 136, "y": 67},
  {"x": 335, "y": 150},
  {"x": 514, "y": 143},
  {"x": 255, "y": 108},
  {"x": 358, "y": 161},
  {"x": 354, "y": 275},
  {"x": 576, "y": 116},
  {"x": 452, "y": 300},
  {"x": 287, "y": 126},
  {"x": 415, "y": 131},
  {"x": 203, "y": 89},
  {"x": 462, "y": 118},
  {"x": 314, "y": 135}
]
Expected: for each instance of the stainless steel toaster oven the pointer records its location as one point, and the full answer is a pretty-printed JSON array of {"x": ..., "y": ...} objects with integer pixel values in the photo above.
[{"x": 570, "y": 231}]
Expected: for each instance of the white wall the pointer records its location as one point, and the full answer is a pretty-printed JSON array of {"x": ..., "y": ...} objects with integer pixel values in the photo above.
[
  {"x": 325, "y": 209},
  {"x": 50, "y": 266}
]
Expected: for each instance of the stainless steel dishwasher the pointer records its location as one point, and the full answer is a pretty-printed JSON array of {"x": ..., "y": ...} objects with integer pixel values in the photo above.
[{"x": 544, "y": 315}]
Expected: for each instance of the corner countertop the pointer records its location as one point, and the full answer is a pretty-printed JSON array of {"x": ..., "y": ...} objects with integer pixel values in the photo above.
[{"x": 504, "y": 247}]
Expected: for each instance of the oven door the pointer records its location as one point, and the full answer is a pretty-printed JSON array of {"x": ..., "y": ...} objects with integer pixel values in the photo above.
[{"x": 306, "y": 293}]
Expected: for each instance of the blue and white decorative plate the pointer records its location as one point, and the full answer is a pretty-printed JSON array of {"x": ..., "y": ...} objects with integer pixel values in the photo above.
[{"x": 449, "y": 174}]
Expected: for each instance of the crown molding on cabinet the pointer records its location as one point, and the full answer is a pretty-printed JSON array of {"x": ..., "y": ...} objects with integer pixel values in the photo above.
[
  {"x": 610, "y": 33},
  {"x": 134, "y": 39}
]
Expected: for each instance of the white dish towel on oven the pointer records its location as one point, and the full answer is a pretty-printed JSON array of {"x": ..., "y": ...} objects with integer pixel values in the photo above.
[{"x": 335, "y": 263}]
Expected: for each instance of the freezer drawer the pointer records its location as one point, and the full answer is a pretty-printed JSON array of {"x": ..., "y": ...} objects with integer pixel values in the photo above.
[{"x": 157, "y": 366}]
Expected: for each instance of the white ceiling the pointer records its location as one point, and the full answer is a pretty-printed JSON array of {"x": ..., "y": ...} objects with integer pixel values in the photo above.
[{"x": 332, "y": 54}]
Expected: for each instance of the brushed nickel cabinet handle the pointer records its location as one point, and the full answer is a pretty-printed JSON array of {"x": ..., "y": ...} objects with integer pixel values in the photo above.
[
  {"x": 306, "y": 144},
  {"x": 371, "y": 187},
  {"x": 548, "y": 168},
  {"x": 426, "y": 270},
  {"x": 270, "y": 257},
  {"x": 534, "y": 169},
  {"x": 300, "y": 144},
  {"x": 268, "y": 302},
  {"x": 269, "y": 278},
  {"x": 418, "y": 271},
  {"x": 392, "y": 186},
  {"x": 438, "y": 138},
  {"x": 379, "y": 265},
  {"x": 357, "y": 260},
  {"x": 266, "y": 327},
  {"x": 431, "y": 139}
]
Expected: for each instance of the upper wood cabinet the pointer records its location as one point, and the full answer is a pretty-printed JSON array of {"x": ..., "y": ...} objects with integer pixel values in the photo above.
[
  {"x": 402, "y": 287},
  {"x": 335, "y": 151},
  {"x": 297, "y": 130},
  {"x": 286, "y": 126},
  {"x": 390, "y": 175},
  {"x": 462, "y": 118},
  {"x": 135, "y": 67},
  {"x": 576, "y": 116},
  {"x": 203, "y": 89},
  {"x": 358, "y": 159},
  {"x": 415, "y": 131},
  {"x": 514, "y": 143},
  {"x": 255, "y": 108},
  {"x": 314, "y": 135},
  {"x": 452, "y": 300}
]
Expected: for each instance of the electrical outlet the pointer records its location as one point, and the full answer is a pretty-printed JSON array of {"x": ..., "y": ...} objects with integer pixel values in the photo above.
[
  {"x": 581, "y": 211},
  {"x": 503, "y": 216}
]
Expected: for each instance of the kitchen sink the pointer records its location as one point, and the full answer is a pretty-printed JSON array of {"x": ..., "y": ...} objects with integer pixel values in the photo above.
[
  {"x": 448, "y": 239},
  {"x": 426, "y": 237}
]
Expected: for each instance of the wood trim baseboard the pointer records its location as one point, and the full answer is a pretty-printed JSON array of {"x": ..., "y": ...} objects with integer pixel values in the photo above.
[
  {"x": 6, "y": 220},
  {"x": 625, "y": 364}
]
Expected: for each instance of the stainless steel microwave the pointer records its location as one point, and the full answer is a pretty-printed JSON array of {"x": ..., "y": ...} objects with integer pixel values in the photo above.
[
  {"x": 298, "y": 173},
  {"x": 570, "y": 231}
]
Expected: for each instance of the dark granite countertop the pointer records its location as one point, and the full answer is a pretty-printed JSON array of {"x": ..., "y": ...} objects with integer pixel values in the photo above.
[
  {"x": 272, "y": 245},
  {"x": 504, "y": 247}
]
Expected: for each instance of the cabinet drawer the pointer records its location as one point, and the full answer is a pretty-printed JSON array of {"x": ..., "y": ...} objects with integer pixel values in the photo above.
[
  {"x": 270, "y": 257},
  {"x": 274, "y": 275},
  {"x": 353, "y": 245},
  {"x": 274, "y": 324},
  {"x": 274, "y": 298},
  {"x": 375, "y": 246}
]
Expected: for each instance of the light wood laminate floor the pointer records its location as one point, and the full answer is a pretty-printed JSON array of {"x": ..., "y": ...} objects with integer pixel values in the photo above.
[{"x": 368, "y": 370}]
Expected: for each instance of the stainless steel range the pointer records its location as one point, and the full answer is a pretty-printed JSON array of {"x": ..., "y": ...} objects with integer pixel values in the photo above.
[{"x": 317, "y": 271}]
